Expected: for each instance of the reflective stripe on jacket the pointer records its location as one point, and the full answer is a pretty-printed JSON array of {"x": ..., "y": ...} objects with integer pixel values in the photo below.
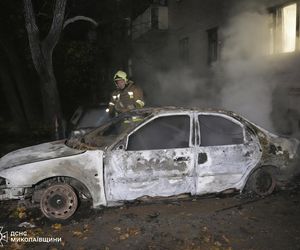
[{"x": 123, "y": 100}]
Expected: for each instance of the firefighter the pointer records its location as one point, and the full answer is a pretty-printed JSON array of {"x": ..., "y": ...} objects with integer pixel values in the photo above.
[{"x": 126, "y": 97}]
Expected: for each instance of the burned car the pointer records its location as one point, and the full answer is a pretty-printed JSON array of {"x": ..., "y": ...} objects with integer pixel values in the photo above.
[{"x": 154, "y": 152}]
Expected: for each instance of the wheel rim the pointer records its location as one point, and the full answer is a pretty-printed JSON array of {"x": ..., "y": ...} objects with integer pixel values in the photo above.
[
  {"x": 264, "y": 183},
  {"x": 59, "y": 202}
]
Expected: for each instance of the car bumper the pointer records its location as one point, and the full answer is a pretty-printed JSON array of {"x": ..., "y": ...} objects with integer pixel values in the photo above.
[{"x": 13, "y": 193}]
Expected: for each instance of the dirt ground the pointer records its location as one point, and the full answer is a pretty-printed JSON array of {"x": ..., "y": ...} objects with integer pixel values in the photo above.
[{"x": 232, "y": 222}]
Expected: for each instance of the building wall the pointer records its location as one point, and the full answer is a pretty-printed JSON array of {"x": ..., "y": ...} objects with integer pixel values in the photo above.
[
  {"x": 159, "y": 51},
  {"x": 192, "y": 19},
  {"x": 188, "y": 19}
]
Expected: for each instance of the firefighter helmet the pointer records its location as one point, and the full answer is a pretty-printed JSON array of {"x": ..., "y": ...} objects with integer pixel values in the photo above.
[{"x": 120, "y": 75}]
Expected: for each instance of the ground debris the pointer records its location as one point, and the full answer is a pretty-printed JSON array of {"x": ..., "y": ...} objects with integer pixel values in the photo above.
[
  {"x": 77, "y": 233},
  {"x": 81, "y": 233},
  {"x": 153, "y": 215},
  {"x": 226, "y": 239},
  {"x": 124, "y": 236},
  {"x": 117, "y": 229},
  {"x": 86, "y": 227},
  {"x": 18, "y": 213},
  {"x": 56, "y": 226},
  {"x": 17, "y": 246},
  {"x": 129, "y": 232},
  {"x": 26, "y": 225}
]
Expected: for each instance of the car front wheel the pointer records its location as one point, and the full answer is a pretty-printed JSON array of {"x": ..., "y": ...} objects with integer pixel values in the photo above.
[
  {"x": 59, "y": 202},
  {"x": 262, "y": 182}
]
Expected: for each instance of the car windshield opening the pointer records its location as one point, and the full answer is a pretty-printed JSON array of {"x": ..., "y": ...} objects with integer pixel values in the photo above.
[{"x": 106, "y": 134}]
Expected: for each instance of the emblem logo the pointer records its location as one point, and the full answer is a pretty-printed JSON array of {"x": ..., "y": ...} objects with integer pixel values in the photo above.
[{"x": 3, "y": 237}]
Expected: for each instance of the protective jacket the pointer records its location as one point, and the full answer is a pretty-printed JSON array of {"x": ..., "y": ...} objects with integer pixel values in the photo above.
[{"x": 123, "y": 100}]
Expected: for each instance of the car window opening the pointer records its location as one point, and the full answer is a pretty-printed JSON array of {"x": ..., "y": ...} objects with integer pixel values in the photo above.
[
  {"x": 162, "y": 133},
  {"x": 217, "y": 131},
  {"x": 108, "y": 132}
]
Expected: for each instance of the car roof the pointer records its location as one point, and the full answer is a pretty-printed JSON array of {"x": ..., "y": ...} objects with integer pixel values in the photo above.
[{"x": 168, "y": 109}]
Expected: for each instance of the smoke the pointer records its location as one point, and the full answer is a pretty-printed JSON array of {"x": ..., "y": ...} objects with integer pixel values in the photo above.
[
  {"x": 178, "y": 85},
  {"x": 248, "y": 82},
  {"x": 246, "y": 79},
  {"x": 256, "y": 83},
  {"x": 184, "y": 88}
]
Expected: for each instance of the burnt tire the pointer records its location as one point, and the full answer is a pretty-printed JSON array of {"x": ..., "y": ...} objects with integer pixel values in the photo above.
[
  {"x": 59, "y": 202},
  {"x": 262, "y": 182}
]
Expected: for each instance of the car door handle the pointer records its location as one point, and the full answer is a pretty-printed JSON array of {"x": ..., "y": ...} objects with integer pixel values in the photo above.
[
  {"x": 202, "y": 158},
  {"x": 182, "y": 158}
]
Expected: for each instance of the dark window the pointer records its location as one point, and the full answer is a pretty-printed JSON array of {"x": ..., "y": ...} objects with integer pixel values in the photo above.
[
  {"x": 217, "y": 130},
  {"x": 212, "y": 35},
  {"x": 184, "y": 52},
  {"x": 160, "y": 2},
  {"x": 154, "y": 17},
  {"x": 162, "y": 133}
]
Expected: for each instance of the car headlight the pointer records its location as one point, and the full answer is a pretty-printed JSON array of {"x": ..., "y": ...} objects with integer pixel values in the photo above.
[{"x": 2, "y": 181}]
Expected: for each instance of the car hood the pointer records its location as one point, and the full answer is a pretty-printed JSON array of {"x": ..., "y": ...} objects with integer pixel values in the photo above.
[{"x": 41, "y": 152}]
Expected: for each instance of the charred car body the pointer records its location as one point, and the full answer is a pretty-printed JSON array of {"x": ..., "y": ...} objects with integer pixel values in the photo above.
[{"x": 154, "y": 152}]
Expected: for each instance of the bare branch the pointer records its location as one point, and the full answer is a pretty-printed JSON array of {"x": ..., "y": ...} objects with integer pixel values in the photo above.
[
  {"x": 30, "y": 23},
  {"x": 80, "y": 18},
  {"x": 57, "y": 25}
]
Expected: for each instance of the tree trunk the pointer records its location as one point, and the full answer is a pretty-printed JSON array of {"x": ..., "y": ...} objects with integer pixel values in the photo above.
[
  {"x": 41, "y": 52},
  {"x": 51, "y": 100}
]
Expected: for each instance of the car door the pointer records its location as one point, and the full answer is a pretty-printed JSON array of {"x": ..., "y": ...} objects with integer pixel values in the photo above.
[
  {"x": 158, "y": 160},
  {"x": 224, "y": 154}
]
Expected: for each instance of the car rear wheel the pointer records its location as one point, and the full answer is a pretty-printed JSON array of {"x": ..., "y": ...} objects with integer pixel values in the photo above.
[
  {"x": 59, "y": 202},
  {"x": 262, "y": 182}
]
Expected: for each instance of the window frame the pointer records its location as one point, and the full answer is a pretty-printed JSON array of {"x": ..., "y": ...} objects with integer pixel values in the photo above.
[
  {"x": 156, "y": 117},
  {"x": 228, "y": 117},
  {"x": 184, "y": 50},
  {"x": 212, "y": 45},
  {"x": 276, "y": 13},
  {"x": 154, "y": 13}
]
